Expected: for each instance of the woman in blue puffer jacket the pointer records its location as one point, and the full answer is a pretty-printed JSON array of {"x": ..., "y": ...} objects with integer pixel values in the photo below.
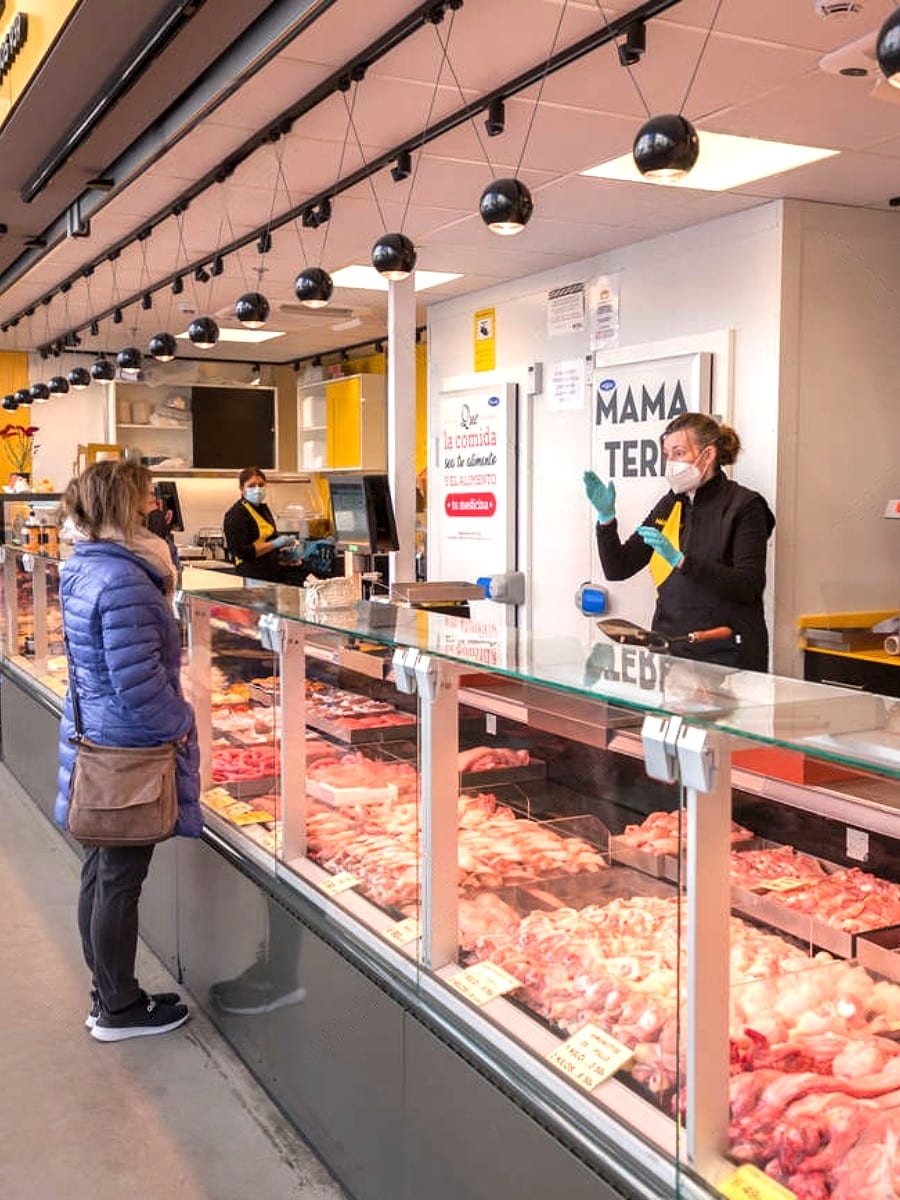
[{"x": 124, "y": 653}]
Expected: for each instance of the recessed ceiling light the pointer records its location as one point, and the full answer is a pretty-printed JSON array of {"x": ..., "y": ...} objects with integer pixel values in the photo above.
[
  {"x": 358, "y": 276},
  {"x": 241, "y": 335},
  {"x": 725, "y": 162}
]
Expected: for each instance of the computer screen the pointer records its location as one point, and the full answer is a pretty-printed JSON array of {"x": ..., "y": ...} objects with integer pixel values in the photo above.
[{"x": 363, "y": 514}]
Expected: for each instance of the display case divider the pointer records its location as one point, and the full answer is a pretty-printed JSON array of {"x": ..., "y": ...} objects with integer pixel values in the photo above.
[
  {"x": 291, "y": 723},
  {"x": 200, "y": 676},
  {"x": 39, "y": 594},
  {"x": 438, "y": 688}
]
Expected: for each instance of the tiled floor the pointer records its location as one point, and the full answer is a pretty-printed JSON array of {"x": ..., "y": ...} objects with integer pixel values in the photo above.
[{"x": 172, "y": 1117}]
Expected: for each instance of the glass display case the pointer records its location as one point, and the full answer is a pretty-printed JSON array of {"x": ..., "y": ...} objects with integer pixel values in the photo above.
[
  {"x": 655, "y": 901},
  {"x": 31, "y": 618}
]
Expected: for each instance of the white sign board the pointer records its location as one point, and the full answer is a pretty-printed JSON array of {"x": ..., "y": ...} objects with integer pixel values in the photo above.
[{"x": 632, "y": 405}]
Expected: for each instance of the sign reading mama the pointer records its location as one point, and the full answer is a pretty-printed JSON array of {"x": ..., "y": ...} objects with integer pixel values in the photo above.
[{"x": 13, "y": 41}]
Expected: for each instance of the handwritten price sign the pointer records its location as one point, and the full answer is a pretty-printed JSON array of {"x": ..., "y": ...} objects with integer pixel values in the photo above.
[
  {"x": 403, "y": 932},
  {"x": 483, "y": 982},
  {"x": 590, "y": 1057},
  {"x": 749, "y": 1183},
  {"x": 785, "y": 884},
  {"x": 342, "y": 882}
]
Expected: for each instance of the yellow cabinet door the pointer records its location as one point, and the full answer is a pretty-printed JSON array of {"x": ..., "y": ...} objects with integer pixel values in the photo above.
[{"x": 344, "y": 421}]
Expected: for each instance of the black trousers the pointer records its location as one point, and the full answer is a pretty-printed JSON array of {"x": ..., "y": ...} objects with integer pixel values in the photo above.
[{"x": 111, "y": 881}]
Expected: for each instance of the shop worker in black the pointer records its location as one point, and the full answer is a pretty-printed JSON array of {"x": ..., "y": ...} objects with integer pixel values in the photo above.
[
  {"x": 704, "y": 542},
  {"x": 259, "y": 551}
]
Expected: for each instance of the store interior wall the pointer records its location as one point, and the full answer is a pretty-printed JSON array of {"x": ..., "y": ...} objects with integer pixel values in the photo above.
[
  {"x": 723, "y": 275},
  {"x": 840, "y": 421}
]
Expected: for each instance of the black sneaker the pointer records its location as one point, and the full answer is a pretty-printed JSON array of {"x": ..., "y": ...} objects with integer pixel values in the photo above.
[
  {"x": 160, "y": 997},
  {"x": 247, "y": 996},
  {"x": 146, "y": 1016}
]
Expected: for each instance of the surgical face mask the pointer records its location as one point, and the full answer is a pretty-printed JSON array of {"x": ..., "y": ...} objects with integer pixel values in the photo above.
[
  {"x": 683, "y": 477},
  {"x": 256, "y": 495}
]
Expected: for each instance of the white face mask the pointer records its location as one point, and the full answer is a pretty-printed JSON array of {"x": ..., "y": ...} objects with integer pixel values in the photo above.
[
  {"x": 683, "y": 477},
  {"x": 256, "y": 495}
]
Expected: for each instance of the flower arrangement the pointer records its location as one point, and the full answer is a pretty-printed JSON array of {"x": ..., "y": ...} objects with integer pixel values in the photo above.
[{"x": 18, "y": 444}]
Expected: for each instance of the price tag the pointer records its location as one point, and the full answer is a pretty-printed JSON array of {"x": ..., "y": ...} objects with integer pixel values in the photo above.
[
  {"x": 403, "y": 932},
  {"x": 785, "y": 884},
  {"x": 255, "y": 817},
  {"x": 750, "y": 1183},
  {"x": 483, "y": 982},
  {"x": 590, "y": 1056},
  {"x": 342, "y": 882}
]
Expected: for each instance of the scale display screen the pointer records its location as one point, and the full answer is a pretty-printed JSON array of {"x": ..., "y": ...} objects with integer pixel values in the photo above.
[{"x": 363, "y": 514}]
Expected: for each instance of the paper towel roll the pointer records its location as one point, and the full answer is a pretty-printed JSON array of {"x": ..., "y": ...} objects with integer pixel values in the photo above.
[{"x": 892, "y": 644}]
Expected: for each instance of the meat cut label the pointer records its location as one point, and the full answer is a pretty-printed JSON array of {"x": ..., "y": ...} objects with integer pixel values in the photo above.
[
  {"x": 484, "y": 982},
  {"x": 590, "y": 1057},
  {"x": 403, "y": 932},
  {"x": 749, "y": 1183},
  {"x": 342, "y": 882}
]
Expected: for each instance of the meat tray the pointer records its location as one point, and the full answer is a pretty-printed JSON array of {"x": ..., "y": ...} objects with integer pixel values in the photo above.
[
  {"x": 357, "y": 737},
  {"x": 659, "y": 866},
  {"x": 766, "y": 909},
  {"x": 339, "y": 796},
  {"x": 535, "y": 769},
  {"x": 246, "y": 789},
  {"x": 879, "y": 950}
]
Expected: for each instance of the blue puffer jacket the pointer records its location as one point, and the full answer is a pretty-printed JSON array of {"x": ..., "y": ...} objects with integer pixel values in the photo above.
[{"x": 124, "y": 642}]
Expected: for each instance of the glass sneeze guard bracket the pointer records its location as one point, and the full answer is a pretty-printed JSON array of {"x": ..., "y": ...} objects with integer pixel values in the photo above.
[
  {"x": 178, "y": 605},
  {"x": 270, "y": 632},
  {"x": 427, "y": 676},
  {"x": 404, "y": 661},
  {"x": 660, "y": 738},
  {"x": 696, "y": 759}
]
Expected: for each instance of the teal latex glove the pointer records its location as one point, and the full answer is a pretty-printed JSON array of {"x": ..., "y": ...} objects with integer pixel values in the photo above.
[
  {"x": 283, "y": 542},
  {"x": 602, "y": 496},
  {"x": 658, "y": 541}
]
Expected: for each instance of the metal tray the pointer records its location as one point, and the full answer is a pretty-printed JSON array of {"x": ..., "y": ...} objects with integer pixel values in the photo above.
[
  {"x": 536, "y": 769},
  {"x": 358, "y": 737}
]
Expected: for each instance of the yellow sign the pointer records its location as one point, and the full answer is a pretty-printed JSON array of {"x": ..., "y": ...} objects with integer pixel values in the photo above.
[
  {"x": 403, "y": 932},
  {"x": 28, "y": 28},
  {"x": 485, "y": 340},
  {"x": 590, "y": 1057},
  {"x": 342, "y": 882},
  {"x": 750, "y": 1183},
  {"x": 483, "y": 982}
]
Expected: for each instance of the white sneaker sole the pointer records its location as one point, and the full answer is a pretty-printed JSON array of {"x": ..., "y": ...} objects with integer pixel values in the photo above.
[{"x": 108, "y": 1033}]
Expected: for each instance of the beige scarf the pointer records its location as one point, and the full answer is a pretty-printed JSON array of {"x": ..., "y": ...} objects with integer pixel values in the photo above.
[{"x": 146, "y": 545}]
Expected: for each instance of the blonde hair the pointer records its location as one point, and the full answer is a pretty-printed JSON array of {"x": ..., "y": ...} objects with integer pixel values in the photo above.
[{"x": 107, "y": 497}]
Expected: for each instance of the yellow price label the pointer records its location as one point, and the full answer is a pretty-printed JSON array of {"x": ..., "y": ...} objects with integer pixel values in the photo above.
[
  {"x": 342, "y": 882},
  {"x": 484, "y": 982},
  {"x": 590, "y": 1057},
  {"x": 403, "y": 932},
  {"x": 750, "y": 1183}
]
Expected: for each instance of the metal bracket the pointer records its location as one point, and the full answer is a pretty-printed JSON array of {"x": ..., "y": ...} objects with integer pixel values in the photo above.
[
  {"x": 179, "y": 604},
  {"x": 270, "y": 632},
  {"x": 660, "y": 737},
  {"x": 405, "y": 670},
  {"x": 427, "y": 676},
  {"x": 696, "y": 759}
]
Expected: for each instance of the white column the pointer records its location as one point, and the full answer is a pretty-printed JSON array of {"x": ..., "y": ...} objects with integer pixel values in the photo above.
[{"x": 401, "y": 401}]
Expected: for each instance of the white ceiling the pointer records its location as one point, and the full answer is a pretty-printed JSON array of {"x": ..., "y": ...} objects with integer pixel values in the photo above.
[{"x": 759, "y": 76}]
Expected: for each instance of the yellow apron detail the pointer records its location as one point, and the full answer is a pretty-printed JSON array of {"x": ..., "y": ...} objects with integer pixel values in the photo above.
[
  {"x": 660, "y": 570},
  {"x": 266, "y": 528}
]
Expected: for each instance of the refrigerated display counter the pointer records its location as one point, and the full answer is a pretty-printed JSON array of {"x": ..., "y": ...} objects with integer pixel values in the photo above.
[{"x": 491, "y": 917}]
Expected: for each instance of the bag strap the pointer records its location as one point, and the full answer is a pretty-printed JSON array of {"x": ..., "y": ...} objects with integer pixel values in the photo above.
[{"x": 73, "y": 687}]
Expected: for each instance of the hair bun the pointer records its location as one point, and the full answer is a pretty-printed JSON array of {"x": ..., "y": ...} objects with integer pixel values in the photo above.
[{"x": 728, "y": 445}]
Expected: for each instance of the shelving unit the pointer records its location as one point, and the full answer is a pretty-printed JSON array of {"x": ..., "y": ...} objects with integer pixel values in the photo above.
[{"x": 342, "y": 424}]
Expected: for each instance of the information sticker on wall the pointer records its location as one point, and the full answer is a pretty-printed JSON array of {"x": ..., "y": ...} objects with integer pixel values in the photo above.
[
  {"x": 565, "y": 310},
  {"x": 565, "y": 385},
  {"x": 485, "y": 340},
  {"x": 603, "y": 302}
]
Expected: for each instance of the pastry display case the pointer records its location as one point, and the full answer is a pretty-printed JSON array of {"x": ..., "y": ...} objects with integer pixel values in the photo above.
[{"x": 30, "y": 617}]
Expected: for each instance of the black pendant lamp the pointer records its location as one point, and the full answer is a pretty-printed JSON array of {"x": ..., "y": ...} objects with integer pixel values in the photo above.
[
  {"x": 252, "y": 310},
  {"x": 57, "y": 385},
  {"x": 162, "y": 347},
  {"x": 203, "y": 332},
  {"x": 506, "y": 206},
  {"x": 887, "y": 49},
  {"x": 129, "y": 360},
  {"x": 666, "y": 148},
  {"x": 102, "y": 370},
  {"x": 394, "y": 256},
  {"x": 22, "y": 397},
  {"x": 10, "y": 403},
  {"x": 39, "y": 392},
  {"x": 313, "y": 287},
  {"x": 79, "y": 379}
]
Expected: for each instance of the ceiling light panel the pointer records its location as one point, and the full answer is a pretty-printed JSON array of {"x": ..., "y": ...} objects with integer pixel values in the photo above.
[
  {"x": 242, "y": 335},
  {"x": 367, "y": 278}
]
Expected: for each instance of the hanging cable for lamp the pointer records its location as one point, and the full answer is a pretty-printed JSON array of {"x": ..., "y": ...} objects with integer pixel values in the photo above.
[{"x": 627, "y": 65}]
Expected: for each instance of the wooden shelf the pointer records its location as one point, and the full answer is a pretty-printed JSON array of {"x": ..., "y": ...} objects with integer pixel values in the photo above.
[{"x": 166, "y": 428}]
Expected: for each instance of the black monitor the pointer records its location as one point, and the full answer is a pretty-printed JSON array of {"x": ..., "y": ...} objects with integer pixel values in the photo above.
[
  {"x": 363, "y": 514},
  {"x": 167, "y": 497}
]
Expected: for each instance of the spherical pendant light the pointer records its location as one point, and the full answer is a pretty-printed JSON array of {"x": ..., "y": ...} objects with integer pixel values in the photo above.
[
  {"x": 887, "y": 48},
  {"x": 22, "y": 396},
  {"x": 252, "y": 310},
  {"x": 313, "y": 287},
  {"x": 10, "y": 403},
  {"x": 162, "y": 347},
  {"x": 129, "y": 360},
  {"x": 39, "y": 393},
  {"x": 506, "y": 206},
  {"x": 666, "y": 148},
  {"x": 57, "y": 386},
  {"x": 102, "y": 370},
  {"x": 79, "y": 379},
  {"x": 203, "y": 332},
  {"x": 394, "y": 256}
]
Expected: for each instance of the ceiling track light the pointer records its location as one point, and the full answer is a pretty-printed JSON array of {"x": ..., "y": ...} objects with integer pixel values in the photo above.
[
  {"x": 495, "y": 121},
  {"x": 117, "y": 316},
  {"x": 201, "y": 275},
  {"x": 218, "y": 267},
  {"x": 177, "y": 286},
  {"x": 506, "y": 206},
  {"x": 635, "y": 44},
  {"x": 162, "y": 347},
  {"x": 95, "y": 328},
  {"x": 402, "y": 169},
  {"x": 666, "y": 148},
  {"x": 308, "y": 219},
  {"x": 252, "y": 310},
  {"x": 324, "y": 213},
  {"x": 313, "y": 287},
  {"x": 887, "y": 49},
  {"x": 146, "y": 302},
  {"x": 264, "y": 245},
  {"x": 203, "y": 332},
  {"x": 394, "y": 256}
]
